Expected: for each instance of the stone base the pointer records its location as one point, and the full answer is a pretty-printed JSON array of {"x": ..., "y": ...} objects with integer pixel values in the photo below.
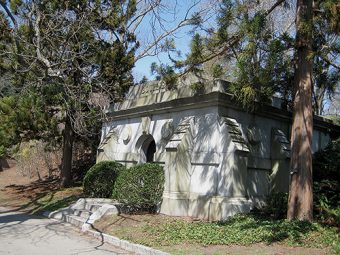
[
  {"x": 213, "y": 208},
  {"x": 258, "y": 202}
]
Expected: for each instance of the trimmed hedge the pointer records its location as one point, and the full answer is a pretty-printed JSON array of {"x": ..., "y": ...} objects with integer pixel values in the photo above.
[
  {"x": 100, "y": 178},
  {"x": 140, "y": 188}
]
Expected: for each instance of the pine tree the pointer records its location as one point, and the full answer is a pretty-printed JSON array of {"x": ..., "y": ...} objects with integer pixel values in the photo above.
[
  {"x": 78, "y": 55},
  {"x": 326, "y": 73},
  {"x": 266, "y": 62},
  {"x": 70, "y": 61}
]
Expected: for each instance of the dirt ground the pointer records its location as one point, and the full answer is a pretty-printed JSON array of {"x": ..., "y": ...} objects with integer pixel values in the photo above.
[{"x": 21, "y": 192}]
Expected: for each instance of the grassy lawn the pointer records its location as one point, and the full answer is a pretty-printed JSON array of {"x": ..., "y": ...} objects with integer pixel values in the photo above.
[{"x": 176, "y": 235}]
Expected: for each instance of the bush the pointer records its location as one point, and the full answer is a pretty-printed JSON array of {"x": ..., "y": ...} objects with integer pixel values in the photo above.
[
  {"x": 326, "y": 163},
  {"x": 2, "y": 151},
  {"x": 326, "y": 175},
  {"x": 326, "y": 207},
  {"x": 100, "y": 179},
  {"x": 276, "y": 205},
  {"x": 140, "y": 187}
]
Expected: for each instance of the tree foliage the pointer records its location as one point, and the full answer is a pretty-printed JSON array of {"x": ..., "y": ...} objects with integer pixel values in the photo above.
[
  {"x": 78, "y": 55},
  {"x": 25, "y": 118},
  {"x": 326, "y": 50},
  {"x": 66, "y": 56},
  {"x": 253, "y": 46},
  {"x": 265, "y": 60}
]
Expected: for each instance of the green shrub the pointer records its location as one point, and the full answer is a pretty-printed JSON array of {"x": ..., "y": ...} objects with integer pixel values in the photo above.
[
  {"x": 100, "y": 179},
  {"x": 326, "y": 208},
  {"x": 326, "y": 176},
  {"x": 140, "y": 187},
  {"x": 2, "y": 151},
  {"x": 277, "y": 205}
]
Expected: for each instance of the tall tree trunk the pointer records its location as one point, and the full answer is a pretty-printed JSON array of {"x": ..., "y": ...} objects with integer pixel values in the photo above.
[
  {"x": 66, "y": 168},
  {"x": 300, "y": 202}
]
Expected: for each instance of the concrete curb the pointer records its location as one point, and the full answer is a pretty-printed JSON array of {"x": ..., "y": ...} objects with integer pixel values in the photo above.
[
  {"x": 126, "y": 245},
  {"x": 120, "y": 243}
]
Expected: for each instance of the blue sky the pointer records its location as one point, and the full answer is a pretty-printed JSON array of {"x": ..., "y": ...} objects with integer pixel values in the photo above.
[
  {"x": 142, "y": 67},
  {"x": 182, "y": 37}
]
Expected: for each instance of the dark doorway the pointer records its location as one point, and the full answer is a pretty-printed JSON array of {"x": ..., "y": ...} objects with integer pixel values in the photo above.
[{"x": 150, "y": 152}]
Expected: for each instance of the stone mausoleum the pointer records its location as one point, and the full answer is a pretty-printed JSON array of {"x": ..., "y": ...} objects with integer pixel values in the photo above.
[{"x": 218, "y": 159}]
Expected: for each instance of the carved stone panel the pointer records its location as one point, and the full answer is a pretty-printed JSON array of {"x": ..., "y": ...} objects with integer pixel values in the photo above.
[
  {"x": 253, "y": 135},
  {"x": 126, "y": 135},
  {"x": 167, "y": 130},
  {"x": 146, "y": 122}
]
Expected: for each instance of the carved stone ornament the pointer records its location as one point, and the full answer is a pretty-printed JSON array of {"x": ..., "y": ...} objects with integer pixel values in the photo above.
[
  {"x": 146, "y": 122},
  {"x": 253, "y": 135},
  {"x": 126, "y": 135},
  {"x": 167, "y": 130}
]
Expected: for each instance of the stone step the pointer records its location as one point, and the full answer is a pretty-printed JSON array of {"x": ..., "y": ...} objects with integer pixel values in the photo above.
[
  {"x": 75, "y": 220},
  {"x": 93, "y": 207},
  {"x": 82, "y": 213},
  {"x": 98, "y": 200}
]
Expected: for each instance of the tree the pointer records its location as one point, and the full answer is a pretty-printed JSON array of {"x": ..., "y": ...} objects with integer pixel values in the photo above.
[
  {"x": 78, "y": 56},
  {"x": 309, "y": 34},
  {"x": 24, "y": 118},
  {"x": 300, "y": 201},
  {"x": 67, "y": 59},
  {"x": 266, "y": 61},
  {"x": 326, "y": 72},
  {"x": 245, "y": 49}
]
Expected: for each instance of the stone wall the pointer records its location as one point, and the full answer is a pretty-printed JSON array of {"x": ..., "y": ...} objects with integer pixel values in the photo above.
[{"x": 218, "y": 159}]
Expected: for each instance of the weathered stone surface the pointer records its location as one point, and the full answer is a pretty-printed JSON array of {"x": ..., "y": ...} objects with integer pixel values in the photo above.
[
  {"x": 218, "y": 159},
  {"x": 85, "y": 211}
]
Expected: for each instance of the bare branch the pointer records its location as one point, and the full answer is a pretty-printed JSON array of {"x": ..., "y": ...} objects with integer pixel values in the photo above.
[
  {"x": 40, "y": 57},
  {"x": 330, "y": 62}
]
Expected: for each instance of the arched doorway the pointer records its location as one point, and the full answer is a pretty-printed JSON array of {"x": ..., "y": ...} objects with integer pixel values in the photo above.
[
  {"x": 150, "y": 151},
  {"x": 146, "y": 146}
]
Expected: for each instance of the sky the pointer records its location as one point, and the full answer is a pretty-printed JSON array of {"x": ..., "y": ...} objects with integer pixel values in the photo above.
[
  {"x": 142, "y": 67},
  {"x": 182, "y": 37},
  {"x": 209, "y": 10}
]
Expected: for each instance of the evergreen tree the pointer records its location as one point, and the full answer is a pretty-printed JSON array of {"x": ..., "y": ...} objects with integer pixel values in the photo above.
[
  {"x": 267, "y": 62},
  {"x": 300, "y": 201},
  {"x": 326, "y": 49},
  {"x": 71, "y": 61},
  {"x": 78, "y": 55}
]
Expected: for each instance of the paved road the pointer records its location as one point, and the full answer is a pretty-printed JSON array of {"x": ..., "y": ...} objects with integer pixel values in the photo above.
[{"x": 22, "y": 234}]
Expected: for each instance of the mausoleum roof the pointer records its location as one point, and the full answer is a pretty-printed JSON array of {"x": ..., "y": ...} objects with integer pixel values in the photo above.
[
  {"x": 155, "y": 98},
  {"x": 157, "y": 92}
]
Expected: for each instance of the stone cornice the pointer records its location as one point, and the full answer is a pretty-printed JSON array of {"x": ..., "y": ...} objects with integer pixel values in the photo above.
[{"x": 214, "y": 99}]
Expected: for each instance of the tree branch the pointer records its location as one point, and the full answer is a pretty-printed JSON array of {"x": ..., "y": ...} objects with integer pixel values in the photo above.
[
  {"x": 329, "y": 62},
  {"x": 41, "y": 58}
]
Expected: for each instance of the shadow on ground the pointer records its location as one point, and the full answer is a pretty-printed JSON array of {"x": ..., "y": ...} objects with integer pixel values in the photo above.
[{"x": 39, "y": 196}]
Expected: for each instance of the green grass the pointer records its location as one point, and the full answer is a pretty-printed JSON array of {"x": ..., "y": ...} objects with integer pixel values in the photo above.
[
  {"x": 242, "y": 230},
  {"x": 246, "y": 230}
]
